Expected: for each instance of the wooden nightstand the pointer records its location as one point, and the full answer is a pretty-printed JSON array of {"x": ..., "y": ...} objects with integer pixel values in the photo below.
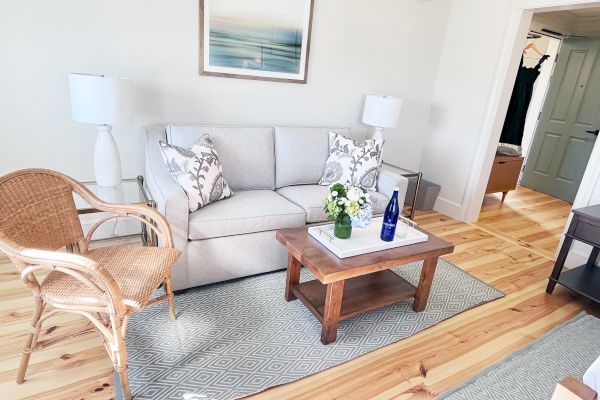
[{"x": 504, "y": 175}]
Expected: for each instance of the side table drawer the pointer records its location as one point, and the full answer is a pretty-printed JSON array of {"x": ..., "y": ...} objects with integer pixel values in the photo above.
[{"x": 588, "y": 232}]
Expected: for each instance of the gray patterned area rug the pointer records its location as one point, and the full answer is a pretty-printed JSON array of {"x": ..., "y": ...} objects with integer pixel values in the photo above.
[
  {"x": 533, "y": 372},
  {"x": 237, "y": 338}
]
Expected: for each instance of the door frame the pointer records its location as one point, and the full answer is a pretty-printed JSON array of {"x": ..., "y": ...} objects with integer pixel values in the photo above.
[{"x": 512, "y": 47}]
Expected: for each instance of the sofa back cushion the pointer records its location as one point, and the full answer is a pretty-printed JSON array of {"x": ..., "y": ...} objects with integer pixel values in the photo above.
[
  {"x": 301, "y": 153},
  {"x": 247, "y": 153}
]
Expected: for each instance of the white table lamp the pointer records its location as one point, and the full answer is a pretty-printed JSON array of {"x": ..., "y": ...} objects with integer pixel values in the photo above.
[
  {"x": 381, "y": 112},
  {"x": 103, "y": 101}
]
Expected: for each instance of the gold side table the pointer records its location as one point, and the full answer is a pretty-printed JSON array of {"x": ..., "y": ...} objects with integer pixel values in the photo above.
[
  {"x": 131, "y": 191},
  {"x": 408, "y": 174}
]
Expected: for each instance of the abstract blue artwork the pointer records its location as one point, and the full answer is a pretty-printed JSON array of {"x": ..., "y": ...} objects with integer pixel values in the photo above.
[{"x": 256, "y": 39}]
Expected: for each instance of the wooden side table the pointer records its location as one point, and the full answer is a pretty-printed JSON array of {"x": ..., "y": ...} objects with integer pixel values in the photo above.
[{"x": 585, "y": 279}]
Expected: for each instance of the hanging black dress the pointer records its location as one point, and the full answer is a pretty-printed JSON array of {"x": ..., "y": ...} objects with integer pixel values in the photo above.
[{"x": 512, "y": 132}]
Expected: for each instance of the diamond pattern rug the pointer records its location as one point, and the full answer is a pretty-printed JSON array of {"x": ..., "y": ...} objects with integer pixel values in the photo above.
[
  {"x": 236, "y": 338},
  {"x": 533, "y": 372}
]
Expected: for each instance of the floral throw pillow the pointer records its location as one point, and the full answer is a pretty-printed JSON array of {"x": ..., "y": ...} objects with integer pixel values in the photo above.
[
  {"x": 198, "y": 170},
  {"x": 356, "y": 164}
]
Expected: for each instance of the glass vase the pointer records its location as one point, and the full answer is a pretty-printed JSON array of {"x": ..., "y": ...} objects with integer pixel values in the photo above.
[{"x": 342, "y": 227}]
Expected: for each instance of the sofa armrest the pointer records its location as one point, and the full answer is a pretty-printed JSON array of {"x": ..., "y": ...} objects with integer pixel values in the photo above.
[
  {"x": 388, "y": 180},
  {"x": 170, "y": 198}
]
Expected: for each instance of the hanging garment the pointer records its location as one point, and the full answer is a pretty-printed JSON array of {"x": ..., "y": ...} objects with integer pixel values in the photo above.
[{"x": 512, "y": 132}]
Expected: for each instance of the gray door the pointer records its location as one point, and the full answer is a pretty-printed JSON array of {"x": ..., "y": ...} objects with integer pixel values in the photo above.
[{"x": 569, "y": 122}]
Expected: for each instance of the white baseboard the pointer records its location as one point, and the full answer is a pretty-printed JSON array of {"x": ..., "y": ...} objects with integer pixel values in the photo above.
[{"x": 448, "y": 207}]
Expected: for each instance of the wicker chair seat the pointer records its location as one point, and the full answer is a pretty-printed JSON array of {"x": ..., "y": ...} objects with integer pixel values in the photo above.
[{"x": 129, "y": 266}]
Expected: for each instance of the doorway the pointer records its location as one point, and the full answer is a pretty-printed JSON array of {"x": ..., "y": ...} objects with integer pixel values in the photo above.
[
  {"x": 510, "y": 53},
  {"x": 568, "y": 123},
  {"x": 558, "y": 133}
]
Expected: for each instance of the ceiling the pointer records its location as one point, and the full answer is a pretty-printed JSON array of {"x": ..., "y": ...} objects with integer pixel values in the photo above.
[
  {"x": 577, "y": 22},
  {"x": 585, "y": 12}
]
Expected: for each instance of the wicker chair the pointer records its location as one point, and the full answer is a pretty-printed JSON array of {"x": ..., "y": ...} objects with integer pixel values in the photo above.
[{"x": 107, "y": 285}]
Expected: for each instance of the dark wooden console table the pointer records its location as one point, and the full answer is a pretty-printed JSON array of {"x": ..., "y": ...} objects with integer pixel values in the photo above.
[{"x": 585, "y": 279}]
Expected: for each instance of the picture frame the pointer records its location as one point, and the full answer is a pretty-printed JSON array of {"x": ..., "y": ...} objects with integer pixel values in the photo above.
[{"x": 256, "y": 39}]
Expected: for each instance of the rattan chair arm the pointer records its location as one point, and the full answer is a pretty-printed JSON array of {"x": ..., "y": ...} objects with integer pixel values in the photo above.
[
  {"x": 143, "y": 213},
  {"x": 74, "y": 265},
  {"x": 125, "y": 210}
]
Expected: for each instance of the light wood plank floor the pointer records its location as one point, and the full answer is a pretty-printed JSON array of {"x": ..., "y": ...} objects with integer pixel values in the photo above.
[{"x": 511, "y": 248}]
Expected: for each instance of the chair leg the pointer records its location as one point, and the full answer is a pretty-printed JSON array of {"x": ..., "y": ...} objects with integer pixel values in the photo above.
[
  {"x": 119, "y": 356},
  {"x": 169, "y": 290},
  {"x": 31, "y": 340},
  {"x": 125, "y": 384}
]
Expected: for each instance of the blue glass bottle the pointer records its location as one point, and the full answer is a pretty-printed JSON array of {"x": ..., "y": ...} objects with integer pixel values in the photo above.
[{"x": 390, "y": 218}]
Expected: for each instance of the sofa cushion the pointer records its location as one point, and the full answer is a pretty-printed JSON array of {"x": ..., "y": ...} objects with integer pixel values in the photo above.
[
  {"x": 247, "y": 153},
  {"x": 310, "y": 198},
  {"x": 300, "y": 154},
  {"x": 245, "y": 212}
]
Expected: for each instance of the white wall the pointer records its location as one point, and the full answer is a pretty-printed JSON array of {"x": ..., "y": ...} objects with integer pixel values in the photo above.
[
  {"x": 464, "y": 83},
  {"x": 387, "y": 46}
]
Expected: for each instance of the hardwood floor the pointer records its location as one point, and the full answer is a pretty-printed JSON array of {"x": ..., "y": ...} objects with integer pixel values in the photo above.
[
  {"x": 528, "y": 218},
  {"x": 511, "y": 248}
]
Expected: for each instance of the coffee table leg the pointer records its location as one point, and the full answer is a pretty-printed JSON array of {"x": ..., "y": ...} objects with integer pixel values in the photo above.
[
  {"x": 424, "y": 287},
  {"x": 293, "y": 277},
  {"x": 331, "y": 311}
]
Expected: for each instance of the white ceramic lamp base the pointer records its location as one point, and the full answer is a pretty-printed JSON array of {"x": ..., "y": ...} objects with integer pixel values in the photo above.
[
  {"x": 107, "y": 164},
  {"x": 115, "y": 195},
  {"x": 377, "y": 133}
]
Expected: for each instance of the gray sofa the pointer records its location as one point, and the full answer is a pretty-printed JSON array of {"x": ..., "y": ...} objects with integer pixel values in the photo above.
[{"x": 274, "y": 173}]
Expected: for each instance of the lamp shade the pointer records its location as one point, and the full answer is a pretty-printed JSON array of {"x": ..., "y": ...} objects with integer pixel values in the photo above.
[
  {"x": 382, "y": 111},
  {"x": 100, "y": 100}
]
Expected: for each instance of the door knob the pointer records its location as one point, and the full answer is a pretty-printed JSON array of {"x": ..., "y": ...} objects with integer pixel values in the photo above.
[{"x": 595, "y": 133}]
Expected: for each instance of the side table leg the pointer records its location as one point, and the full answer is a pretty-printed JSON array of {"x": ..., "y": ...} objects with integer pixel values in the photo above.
[
  {"x": 331, "y": 311},
  {"x": 560, "y": 262},
  {"x": 425, "y": 282},
  {"x": 293, "y": 277},
  {"x": 593, "y": 256}
]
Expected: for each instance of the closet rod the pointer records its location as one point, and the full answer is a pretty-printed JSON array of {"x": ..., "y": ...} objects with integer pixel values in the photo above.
[
  {"x": 555, "y": 35},
  {"x": 547, "y": 34}
]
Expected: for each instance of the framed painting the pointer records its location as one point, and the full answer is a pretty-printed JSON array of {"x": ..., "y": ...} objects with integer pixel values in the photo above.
[{"x": 255, "y": 39}]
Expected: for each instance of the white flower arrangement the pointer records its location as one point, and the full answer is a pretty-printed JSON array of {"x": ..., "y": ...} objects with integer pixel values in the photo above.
[{"x": 348, "y": 200}]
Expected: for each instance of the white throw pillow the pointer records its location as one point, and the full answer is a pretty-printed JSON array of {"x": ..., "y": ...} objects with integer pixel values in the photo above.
[
  {"x": 198, "y": 170},
  {"x": 354, "y": 163}
]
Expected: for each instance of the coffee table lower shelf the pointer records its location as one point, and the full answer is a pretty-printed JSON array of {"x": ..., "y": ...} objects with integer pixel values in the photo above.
[{"x": 361, "y": 294}]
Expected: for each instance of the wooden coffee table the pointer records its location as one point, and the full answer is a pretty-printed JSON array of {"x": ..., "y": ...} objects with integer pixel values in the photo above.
[{"x": 351, "y": 286}]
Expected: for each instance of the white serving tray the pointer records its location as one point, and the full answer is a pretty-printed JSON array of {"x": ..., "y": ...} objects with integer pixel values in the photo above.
[{"x": 365, "y": 240}]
